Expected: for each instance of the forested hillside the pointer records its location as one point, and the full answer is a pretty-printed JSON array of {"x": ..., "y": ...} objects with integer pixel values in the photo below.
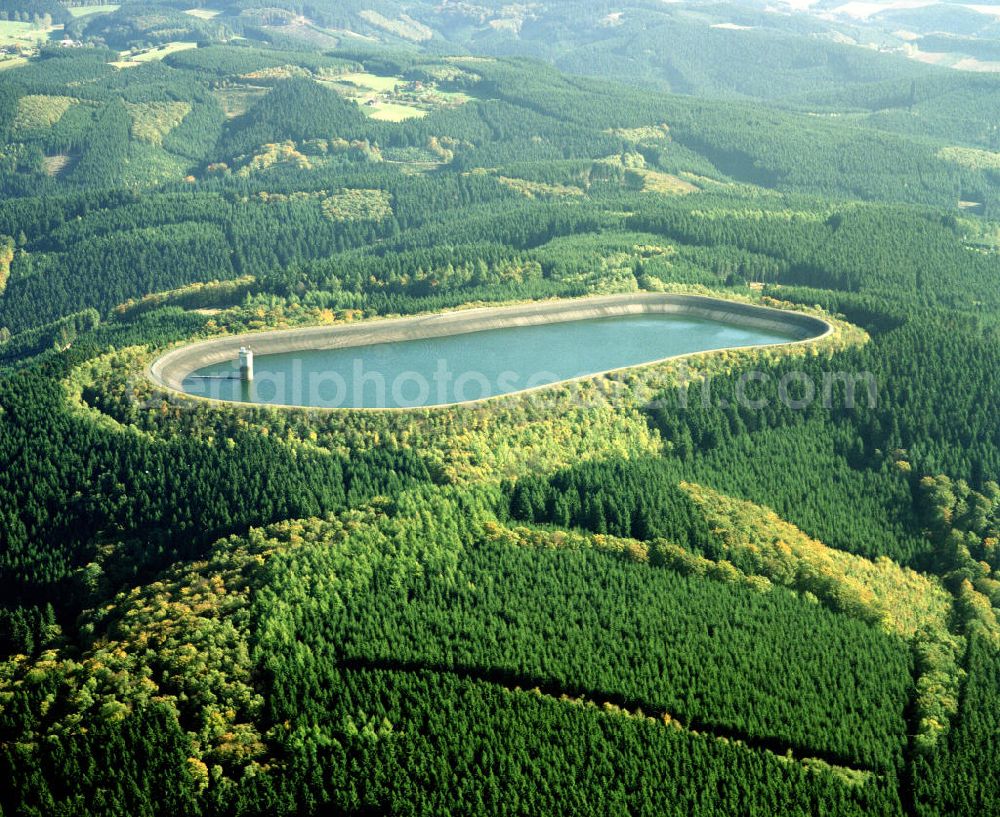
[{"x": 689, "y": 588}]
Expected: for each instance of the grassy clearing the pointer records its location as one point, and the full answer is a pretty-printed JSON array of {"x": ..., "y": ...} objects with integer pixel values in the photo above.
[
  {"x": 131, "y": 59},
  {"x": 307, "y": 33},
  {"x": 404, "y": 26},
  {"x": 151, "y": 121},
  {"x": 24, "y": 34},
  {"x": 351, "y": 35},
  {"x": 393, "y": 112},
  {"x": 369, "y": 82},
  {"x": 54, "y": 165},
  {"x": 665, "y": 184},
  {"x": 12, "y": 62},
  {"x": 203, "y": 14},
  {"x": 237, "y": 100},
  {"x": 86, "y": 11},
  {"x": 36, "y": 111},
  {"x": 392, "y": 99},
  {"x": 161, "y": 51}
]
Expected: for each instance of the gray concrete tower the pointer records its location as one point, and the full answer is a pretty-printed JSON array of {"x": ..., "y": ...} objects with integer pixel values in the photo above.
[{"x": 246, "y": 363}]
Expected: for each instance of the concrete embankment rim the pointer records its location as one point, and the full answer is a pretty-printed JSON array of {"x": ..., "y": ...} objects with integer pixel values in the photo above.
[{"x": 169, "y": 370}]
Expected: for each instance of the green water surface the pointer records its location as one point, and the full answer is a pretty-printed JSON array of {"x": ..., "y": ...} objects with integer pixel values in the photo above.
[{"x": 455, "y": 368}]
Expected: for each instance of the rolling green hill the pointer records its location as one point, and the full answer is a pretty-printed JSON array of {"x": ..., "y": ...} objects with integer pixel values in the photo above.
[{"x": 689, "y": 589}]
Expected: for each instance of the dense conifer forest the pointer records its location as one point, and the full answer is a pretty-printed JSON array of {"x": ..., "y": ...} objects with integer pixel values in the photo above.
[{"x": 714, "y": 592}]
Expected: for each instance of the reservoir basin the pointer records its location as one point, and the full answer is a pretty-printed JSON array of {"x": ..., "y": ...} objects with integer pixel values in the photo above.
[
  {"x": 467, "y": 355},
  {"x": 470, "y": 366}
]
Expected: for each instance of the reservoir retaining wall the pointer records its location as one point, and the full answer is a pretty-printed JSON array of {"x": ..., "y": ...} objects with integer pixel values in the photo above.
[{"x": 170, "y": 369}]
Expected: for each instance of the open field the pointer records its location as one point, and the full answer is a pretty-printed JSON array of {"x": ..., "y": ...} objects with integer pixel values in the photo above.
[
  {"x": 370, "y": 88},
  {"x": 404, "y": 27},
  {"x": 955, "y": 60},
  {"x": 666, "y": 184},
  {"x": 308, "y": 33},
  {"x": 393, "y": 112},
  {"x": 392, "y": 99},
  {"x": 54, "y": 165},
  {"x": 352, "y": 35},
  {"x": 24, "y": 34},
  {"x": 161, "y": 51},
  {"x": 86, "y": 11},
  {"x": 369, "y": 82},
  {"x": 203, "y": 14},
  {"x": 236, "y": 100},
  {"x": 131, "y": 59}
]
